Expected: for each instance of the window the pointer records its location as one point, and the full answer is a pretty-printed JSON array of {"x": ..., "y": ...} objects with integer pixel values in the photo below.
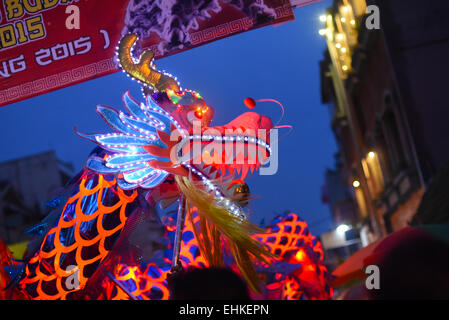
[{"x": 392, "y": 136}]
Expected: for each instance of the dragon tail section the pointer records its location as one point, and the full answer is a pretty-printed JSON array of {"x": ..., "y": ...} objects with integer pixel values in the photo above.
[{"x": 90, "y": 223}]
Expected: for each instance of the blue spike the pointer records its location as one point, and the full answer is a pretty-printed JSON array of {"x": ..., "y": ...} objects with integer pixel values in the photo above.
[
  {"x": 121, "y": 139},
  {"x": 148, "y": 126},
  {"x": 125, "y": 185},
  {"x": 98, "y": 165},
  {"x": 14, "y": 271},
  {"x": 90, "y": 137},
  {"x": 112, "y": 118},
  {"x": 126, "y": 149},
  {"x": 53, "y": 203},
  {"x": 133, "y": 107},
  {"x": 151, "y": 183},
  {"x": 132, "y": 158},
  {"x": 139, "y": 175},
  {"x": 37, "y": 230},
  {"x": 164, "y": 118},
  {"x": 115, "y": 144},
  {"x": 119, "y": 160}
]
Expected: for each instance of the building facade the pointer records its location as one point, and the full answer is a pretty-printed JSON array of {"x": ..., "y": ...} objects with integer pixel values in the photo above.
[
  {"x": 26, "y": 184},
  {"x": 382, "y": 78}
]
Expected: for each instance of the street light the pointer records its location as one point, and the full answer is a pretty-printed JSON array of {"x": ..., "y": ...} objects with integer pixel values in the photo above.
[{"x": 341, "y": 229}]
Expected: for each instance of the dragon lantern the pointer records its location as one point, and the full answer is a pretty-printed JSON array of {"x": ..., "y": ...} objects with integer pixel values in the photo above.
[{"x": 160, "y": 151}]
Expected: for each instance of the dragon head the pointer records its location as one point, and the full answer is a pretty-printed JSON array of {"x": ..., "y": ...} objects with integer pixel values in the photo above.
[{"x": 176, "y": 123}]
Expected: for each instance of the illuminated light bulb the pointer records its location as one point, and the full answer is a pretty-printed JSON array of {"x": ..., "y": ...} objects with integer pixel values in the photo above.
[
  {"x": 323, "y": 18},
  {"x": 338, "y": 45},
  {"x": 339, "y": 36},
  {"x": 371, "y": 154},
  {"x": 356, "y": 183},
  {"x": 352, "y": 22},
  {"x": 343, "y": 50},
  {"x": 341, "y": 229},
  {"x": 345, "y": 9},
  {"x": 343, "y": 19},
  {"x": 322, "y": 32},
  {"x": 300, "y": 255},
  {"x": 345, "y": 68}
]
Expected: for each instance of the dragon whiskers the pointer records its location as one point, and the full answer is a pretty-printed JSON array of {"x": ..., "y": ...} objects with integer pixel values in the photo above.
[{"x": 236, "y": 231}]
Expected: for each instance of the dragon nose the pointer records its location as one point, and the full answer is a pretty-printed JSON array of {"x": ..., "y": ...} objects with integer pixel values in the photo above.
[
  {"x": 251, "y": 120},
  {"x": 265, "y": 123}
]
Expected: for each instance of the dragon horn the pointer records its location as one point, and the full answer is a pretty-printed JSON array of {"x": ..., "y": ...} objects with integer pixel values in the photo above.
[{"x": 143, "y": 69}]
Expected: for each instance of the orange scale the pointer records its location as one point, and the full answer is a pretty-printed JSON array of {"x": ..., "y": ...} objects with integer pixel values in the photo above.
[
  {"x": 47, "y": 255},
  {"x": 108, "y": 232},
  {"x": 59, "y": 271},
  {"x": 80, "y": 241},
  {"x": 68, "y": 223},
  {"x": 60, "y": 248},
  {"x": 88, "y": 261},
  {"x": 87, "y": 192},
  {"x": 106, "y": 210},
  {"x": 87, "y": 242},
  {"x": 29, "y": 280},
  {"x": 126, "y": 198},
  {"x": 80, "y": 216},
  {"x": 123, "y": 217},
  {"x": 43, "y": 275},
  {"x": 43, "y": 296},
  {"x": 103, "y": 252},
  {"x": 83, "y": 192},
  {"x": 60, "y": 288},
  {"x": 108, "y": 184}
]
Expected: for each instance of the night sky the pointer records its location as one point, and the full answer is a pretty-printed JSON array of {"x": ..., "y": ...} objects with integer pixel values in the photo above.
[{"x": 279, "y": 62}]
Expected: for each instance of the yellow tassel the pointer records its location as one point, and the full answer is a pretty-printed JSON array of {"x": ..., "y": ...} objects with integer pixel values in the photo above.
[{"x": 216, "y": 220}]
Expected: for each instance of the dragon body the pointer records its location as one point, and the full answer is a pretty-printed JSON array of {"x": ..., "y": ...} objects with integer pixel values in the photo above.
[{"x": 297, "y": 271}]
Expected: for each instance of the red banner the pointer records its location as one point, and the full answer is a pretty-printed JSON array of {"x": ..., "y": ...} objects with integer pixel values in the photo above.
[{"x": 50, "y": 44}]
